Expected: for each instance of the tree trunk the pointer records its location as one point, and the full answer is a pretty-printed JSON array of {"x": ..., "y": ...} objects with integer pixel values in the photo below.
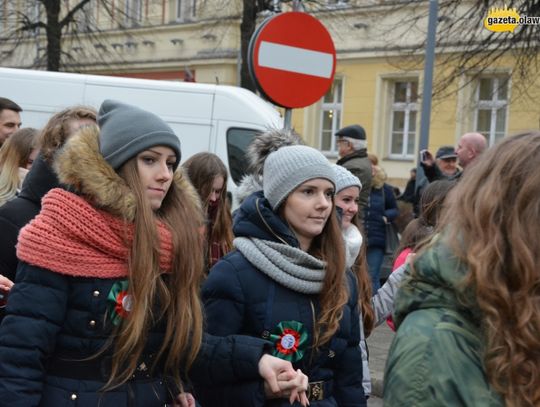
[
  {"x": 247, "y": 28},
  {"x": 54, "y": 34}
]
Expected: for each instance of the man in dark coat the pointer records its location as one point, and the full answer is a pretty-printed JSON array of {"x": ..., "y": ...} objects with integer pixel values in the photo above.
[
  {"x": 469, "y": 147},
  {"x": 352, "y": 148},
  {"x": 15, "y": 214}
]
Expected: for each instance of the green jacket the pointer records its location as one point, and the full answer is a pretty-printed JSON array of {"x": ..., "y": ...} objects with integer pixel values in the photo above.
[{"x": 436, "y": 358}]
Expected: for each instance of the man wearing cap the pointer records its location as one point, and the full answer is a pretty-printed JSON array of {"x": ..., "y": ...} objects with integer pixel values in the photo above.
[
  {"x": 443, "y": 167},
  {"x": 352, "y": 149}
]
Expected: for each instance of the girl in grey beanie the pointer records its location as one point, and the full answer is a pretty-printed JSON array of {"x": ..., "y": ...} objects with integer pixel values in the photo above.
[{"x": 287, "y": 282}]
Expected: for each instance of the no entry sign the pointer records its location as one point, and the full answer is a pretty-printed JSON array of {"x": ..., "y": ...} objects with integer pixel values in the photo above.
[{"x": 292, "y": 59}]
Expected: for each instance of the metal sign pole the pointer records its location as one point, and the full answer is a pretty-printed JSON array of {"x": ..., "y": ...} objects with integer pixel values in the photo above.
[
  {"x": 287, "y": 119},
  {"x": 426, "y": 96}
]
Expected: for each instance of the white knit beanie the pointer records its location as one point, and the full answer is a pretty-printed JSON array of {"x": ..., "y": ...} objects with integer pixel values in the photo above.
[
  {"x": 287, "y": 168},
  {"x": 345, "y": 178}
]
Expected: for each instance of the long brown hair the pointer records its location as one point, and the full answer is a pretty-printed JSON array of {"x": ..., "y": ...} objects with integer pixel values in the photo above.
[
  {"x": 360, "y": 270},
  {"x": 492, "y": 224},
  {"x": 15, "y": 153},
  {"x": 175, "y": 295},
  {"x": 202, "y": 169},
  {"x": 329, "y": 247}
]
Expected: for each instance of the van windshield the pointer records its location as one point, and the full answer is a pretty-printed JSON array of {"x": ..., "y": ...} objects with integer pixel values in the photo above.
[{"x": 238, "y": 139}]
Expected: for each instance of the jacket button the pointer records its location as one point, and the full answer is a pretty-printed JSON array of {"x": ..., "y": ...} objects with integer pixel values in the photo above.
[
  {"x": 265, "y": 334},
  {"x": 95, "y": 293},
  {"x": 92, "y": 323},
  {"x": 73, "y": 397}
]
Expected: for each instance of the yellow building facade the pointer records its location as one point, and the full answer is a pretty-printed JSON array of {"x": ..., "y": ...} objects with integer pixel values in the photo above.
[{"x": 379, "y": 74}]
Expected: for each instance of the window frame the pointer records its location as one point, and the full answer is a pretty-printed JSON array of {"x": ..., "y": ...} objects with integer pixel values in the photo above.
[
  {"x": 493, "y": 105},
  {"x": 185, "y": 10},
  {"x": 335, "y": 106},
  {"x": 407, "y": 107},
  {"x": 134, "y": 15}
]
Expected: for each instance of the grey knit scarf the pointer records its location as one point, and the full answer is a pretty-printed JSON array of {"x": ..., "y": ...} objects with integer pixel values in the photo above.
[{"x": 286, "y": 265}]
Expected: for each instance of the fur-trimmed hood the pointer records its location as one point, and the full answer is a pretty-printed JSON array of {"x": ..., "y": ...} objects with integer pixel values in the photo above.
[
  {"x": 249, "y": 184},
  {"x": 80, "y": 166},
  {"x": 256, "y": 153},
  {"x": 266, "y": 143}
]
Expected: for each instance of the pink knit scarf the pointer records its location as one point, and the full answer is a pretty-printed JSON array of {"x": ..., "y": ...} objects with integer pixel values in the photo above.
[{"x": 70, "y": 236}]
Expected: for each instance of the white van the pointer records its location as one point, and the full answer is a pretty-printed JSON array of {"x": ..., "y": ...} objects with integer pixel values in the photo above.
[{"x": 215, "y": 118}]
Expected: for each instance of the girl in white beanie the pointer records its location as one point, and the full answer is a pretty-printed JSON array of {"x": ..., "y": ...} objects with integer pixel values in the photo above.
[{"x": 374, "y": 307}]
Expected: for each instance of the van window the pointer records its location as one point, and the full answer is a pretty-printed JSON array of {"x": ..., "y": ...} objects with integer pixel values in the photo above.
[{"x": 237, "y": 142}]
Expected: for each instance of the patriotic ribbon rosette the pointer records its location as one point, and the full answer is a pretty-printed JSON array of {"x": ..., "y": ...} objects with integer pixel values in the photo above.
[
  {"x": 290, "y": 339},
  {"x": 120, "y": 302}
]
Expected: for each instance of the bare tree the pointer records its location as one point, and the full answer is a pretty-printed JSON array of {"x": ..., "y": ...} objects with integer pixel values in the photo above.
[
  {"x": 56, "y": 21},
  {"x": 466, "y": 49}
]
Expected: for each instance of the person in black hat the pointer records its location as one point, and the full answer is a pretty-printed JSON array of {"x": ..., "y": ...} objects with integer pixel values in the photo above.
[
  {"x": 352, "y": 148},
  {"x": 444, "y": 166}
]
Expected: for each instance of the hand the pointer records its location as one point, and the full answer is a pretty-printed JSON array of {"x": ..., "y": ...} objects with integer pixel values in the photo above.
[
  {"x": 184, "y": 400},
  {"x": 426, "y": 158},
  {"x": 5, "y": 283},
  {"x": 279, "y": 373},
  {"x": 294, "y": 388}
]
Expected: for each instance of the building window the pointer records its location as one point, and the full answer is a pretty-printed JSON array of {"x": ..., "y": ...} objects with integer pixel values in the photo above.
[
  {"x": 86, "y": 21},
  {"x": 331, "y": 112},
  {"x": 403, "y": 118},
  {"x": 491, "y": 107},
  {"x": 185, "y": 9},
  {"x": 134, "y": 11}
]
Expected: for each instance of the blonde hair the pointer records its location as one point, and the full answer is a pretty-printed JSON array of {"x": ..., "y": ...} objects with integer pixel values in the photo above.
[
  {"x": 14, "y": 154},
  {"x": 173, "y": 297},
  {"x": 492, "y": 221}
]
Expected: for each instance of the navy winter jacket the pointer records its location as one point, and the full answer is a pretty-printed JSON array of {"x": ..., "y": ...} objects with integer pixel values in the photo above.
[
  {"x": 379, "y": 205},
  {"x": 53, "y": 317},
  {"x": 240, "y": 299}
]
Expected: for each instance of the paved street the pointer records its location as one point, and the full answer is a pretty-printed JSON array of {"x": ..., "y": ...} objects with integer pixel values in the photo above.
[
  {"x": 378, "y": 345},
  {"x": 375, "y": 402}
]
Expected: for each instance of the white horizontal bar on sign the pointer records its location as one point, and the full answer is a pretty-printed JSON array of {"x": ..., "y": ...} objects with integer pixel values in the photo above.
[{"x": 294, "y": 59}]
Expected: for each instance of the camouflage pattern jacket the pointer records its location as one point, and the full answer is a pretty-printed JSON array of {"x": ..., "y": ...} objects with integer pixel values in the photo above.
[{"x": 436, "y": 358}]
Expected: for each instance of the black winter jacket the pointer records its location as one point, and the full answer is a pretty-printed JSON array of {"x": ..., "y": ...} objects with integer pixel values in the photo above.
[
  {"x": 15, "y": 214},
  {"x": 240, "y": 299}
]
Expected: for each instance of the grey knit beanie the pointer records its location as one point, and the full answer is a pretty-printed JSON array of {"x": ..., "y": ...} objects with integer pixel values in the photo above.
[
  {"x": 127, "y": 130},
  {"x": 288, "y": 167},
  {"x": 345, "y": 178}
]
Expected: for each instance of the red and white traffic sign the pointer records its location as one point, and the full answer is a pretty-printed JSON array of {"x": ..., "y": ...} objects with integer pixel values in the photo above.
[{"x": 292, "y": 59}]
